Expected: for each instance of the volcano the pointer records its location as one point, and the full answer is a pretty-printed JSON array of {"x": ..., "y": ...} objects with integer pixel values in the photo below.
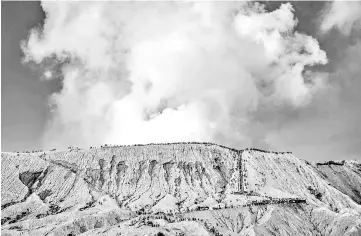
[{"x": 177, "y": 189}]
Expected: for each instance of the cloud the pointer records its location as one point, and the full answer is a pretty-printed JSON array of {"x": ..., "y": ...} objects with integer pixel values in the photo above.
[
  {"x": 140, "y": 72},
  {"x": 344, "y": 15}
]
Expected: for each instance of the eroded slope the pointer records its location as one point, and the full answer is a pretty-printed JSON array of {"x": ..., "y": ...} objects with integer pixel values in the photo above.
[{"x": 176, "y": 188}]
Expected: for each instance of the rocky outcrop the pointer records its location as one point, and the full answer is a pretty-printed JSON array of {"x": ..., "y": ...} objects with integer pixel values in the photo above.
[{"x": 170, "y": 188}]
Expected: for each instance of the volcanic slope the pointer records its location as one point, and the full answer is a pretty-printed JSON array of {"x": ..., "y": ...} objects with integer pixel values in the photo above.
[{"x": 177, "y": 189}]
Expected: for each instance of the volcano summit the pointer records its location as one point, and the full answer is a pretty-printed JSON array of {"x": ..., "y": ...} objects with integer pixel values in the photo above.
[{"x": 177, "y": 189}]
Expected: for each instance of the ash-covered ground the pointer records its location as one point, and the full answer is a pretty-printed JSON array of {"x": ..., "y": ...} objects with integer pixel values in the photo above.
[{"x": 177, "y": 189}]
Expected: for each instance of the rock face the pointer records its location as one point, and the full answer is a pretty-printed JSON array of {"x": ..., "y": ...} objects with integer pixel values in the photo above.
[{"x": 177, "y": 189}]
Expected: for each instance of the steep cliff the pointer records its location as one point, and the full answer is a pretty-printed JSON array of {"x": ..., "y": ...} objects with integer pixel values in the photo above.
[{"x": 177, "y": 189}]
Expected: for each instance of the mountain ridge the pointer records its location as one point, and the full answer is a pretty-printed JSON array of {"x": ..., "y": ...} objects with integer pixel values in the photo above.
[{"x": 173, "y": 179}]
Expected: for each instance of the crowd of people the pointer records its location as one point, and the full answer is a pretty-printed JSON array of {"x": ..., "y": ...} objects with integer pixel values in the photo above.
[{"x": 159, "y": 144}]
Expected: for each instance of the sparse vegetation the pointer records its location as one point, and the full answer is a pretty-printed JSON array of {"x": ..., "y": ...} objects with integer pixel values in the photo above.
[{"x": 195, "y": 178}]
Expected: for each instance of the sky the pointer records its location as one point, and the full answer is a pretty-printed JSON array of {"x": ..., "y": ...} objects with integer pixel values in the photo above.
[
  {"x": 23, "y": 95},
  {"x": 276, "y": 75}
]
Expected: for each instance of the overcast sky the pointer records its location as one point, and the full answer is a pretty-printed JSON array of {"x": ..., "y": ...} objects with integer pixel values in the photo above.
[{"x": 107, "y": 97}]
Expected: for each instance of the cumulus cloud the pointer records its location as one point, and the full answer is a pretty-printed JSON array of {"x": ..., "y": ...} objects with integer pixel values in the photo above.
[
  {"x": 141, "y": 72},
  {"x": 344, "y": 15}
]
